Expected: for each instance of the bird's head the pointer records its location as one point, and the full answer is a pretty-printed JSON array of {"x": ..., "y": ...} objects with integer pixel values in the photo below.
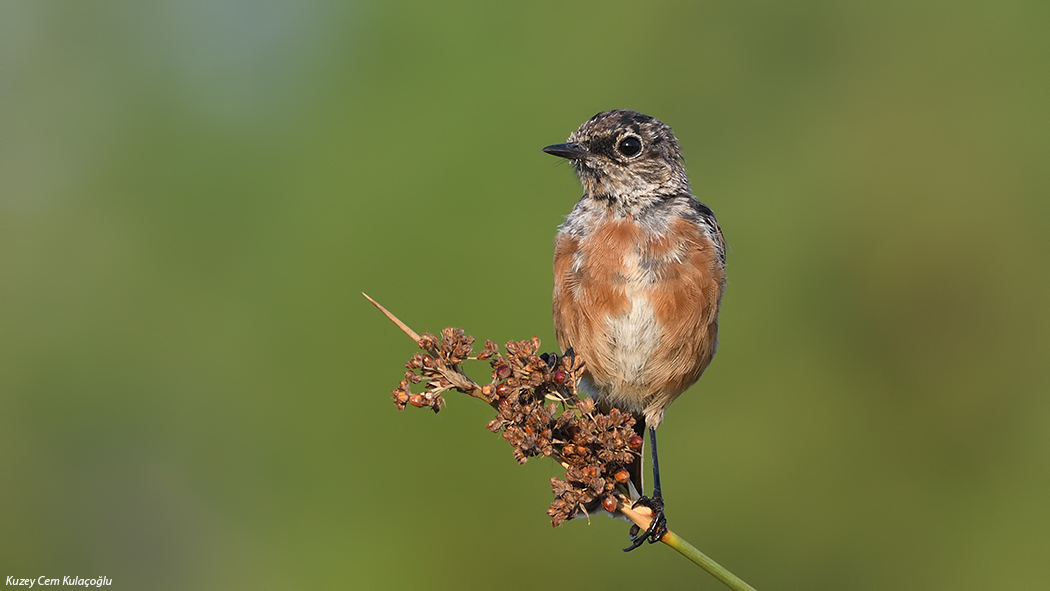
[{"x": 622, "y": 156}]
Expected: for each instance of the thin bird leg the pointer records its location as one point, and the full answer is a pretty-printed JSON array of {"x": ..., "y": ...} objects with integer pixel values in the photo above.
[
  {"x": 656, "y": 467},
  {"x": 658, "y": 527}
]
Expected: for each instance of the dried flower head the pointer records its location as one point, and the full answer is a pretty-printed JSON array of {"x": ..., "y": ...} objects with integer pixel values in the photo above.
[{"x": 539, "y": 412}]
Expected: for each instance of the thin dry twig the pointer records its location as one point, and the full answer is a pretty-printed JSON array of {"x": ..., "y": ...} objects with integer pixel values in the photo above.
[{"x": 404, "y": 327}]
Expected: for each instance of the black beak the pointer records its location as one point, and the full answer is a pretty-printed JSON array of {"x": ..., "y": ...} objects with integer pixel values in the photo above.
[{"x": 571, "y": 150}]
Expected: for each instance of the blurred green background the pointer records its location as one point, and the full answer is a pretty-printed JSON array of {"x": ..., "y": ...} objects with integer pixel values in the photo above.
[{"x": 193, "y": 195}]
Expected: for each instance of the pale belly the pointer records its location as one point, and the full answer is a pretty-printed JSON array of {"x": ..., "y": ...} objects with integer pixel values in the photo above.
[{"x": 630, "y": 341}]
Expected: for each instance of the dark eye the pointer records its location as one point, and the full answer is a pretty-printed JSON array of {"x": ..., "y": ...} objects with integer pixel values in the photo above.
[{"x": 630, "y": 146}]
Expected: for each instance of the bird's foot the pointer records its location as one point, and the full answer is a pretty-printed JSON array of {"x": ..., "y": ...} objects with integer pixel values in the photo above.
[
  {"x": 657, "y": 528},
  {"x": 551, "y": 359}
]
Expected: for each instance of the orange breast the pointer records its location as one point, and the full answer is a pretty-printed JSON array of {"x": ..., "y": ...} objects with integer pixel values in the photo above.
[{"x": 641, "y": 309}]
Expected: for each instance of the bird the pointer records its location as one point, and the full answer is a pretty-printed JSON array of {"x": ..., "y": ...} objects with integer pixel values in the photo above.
[{"x": 639, "y": 272}]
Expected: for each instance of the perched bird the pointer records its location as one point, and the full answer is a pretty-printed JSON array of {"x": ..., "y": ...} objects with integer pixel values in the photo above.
[{"x": 639, "y": 270}]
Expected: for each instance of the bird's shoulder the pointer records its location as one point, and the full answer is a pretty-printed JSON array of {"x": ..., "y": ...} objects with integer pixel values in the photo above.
[
  {"x": 669, "y": 212},
  {"x": 704, "y": 217}
]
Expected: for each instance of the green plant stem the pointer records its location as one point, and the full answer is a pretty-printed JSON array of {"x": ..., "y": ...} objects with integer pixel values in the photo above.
[
  {"x": 691, "y": 552},
  {"x": 705, "y": 562}
]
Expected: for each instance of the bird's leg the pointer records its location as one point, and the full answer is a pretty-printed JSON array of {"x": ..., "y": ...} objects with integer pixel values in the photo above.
[{"x": 658, "y": 527}]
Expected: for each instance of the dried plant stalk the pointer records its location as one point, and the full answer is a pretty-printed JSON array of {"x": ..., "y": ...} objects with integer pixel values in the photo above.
[{"x": 539, "y": 412}]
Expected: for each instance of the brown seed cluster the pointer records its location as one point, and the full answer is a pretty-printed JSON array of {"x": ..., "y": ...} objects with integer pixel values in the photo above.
[
  {"x": 538, "y": 411},
  {"x": 596, "y": 454},
  {"x": 525, "y": 398},
  {"x": 439, "y": 369}
]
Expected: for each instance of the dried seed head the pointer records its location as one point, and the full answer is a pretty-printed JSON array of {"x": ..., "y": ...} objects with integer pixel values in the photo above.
[
  {"x": 635, "y": 442},
  {"x": 502, "y": 372},
  {"x": 593, "y": 446},
  {"x": 400, "y": 399},
  {"x": 428, "y": 342}
]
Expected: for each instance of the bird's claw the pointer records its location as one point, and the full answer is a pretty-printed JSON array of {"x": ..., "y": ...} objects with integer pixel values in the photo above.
[
  {"x": 657, "y": 528},
  {"x": 551, "y": 359}
]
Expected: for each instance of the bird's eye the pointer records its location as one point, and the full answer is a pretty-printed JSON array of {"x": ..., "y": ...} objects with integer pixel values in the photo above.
[{"x": 630, "y": 146}]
